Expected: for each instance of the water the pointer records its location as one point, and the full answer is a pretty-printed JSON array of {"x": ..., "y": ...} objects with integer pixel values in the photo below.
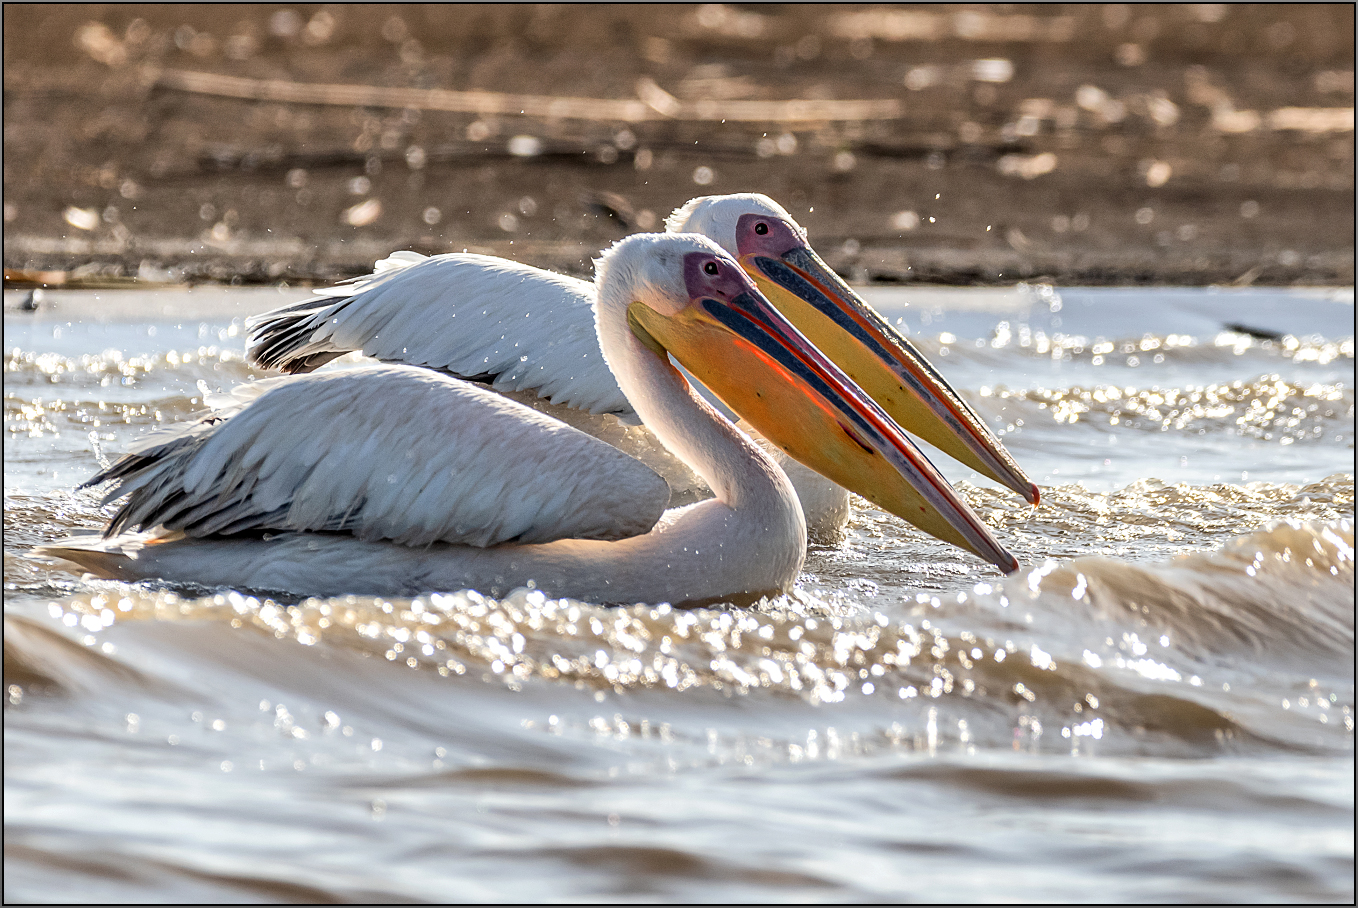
[{"x": 1159, "y": 706}]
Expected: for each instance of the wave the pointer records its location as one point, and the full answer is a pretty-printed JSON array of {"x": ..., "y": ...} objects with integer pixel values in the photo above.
[
  {"x": 1268, "y": 408},
  {"x": 1144, "y": 350},
  {"x": 1247, "y": 646},
  {"x": 1268, "y": 593},
  {"x": 112, "y": 369},
  {"x": 1072, "y": 518},
  {"x": 73, "y": 419},
  {"x": 1254, "y": 638},
  {"x": 40, "y": 660},
  {"x": 1144, "y": 521}
]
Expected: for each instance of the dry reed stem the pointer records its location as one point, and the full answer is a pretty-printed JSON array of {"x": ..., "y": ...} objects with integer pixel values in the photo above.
[{"x": 653, "y": 103}]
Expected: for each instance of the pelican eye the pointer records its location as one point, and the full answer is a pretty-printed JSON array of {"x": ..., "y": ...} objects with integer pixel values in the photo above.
[
  {"x": 761, "y": 228},
  {"x": 710, "y": 268}
]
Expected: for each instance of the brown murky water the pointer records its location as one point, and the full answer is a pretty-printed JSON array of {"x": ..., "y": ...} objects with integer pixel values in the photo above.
[{"x": 1158, "y": 707}]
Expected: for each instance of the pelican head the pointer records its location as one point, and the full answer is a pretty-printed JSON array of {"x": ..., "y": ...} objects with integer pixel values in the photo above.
[
  {"x": 774, "y": 251},
  {"x": 682, "y": 295}
]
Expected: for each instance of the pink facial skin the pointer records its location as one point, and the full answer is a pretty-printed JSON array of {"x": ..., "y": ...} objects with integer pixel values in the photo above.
[
  {"x": 709, "y": 276},
  {"x": 762, "y": 235}
]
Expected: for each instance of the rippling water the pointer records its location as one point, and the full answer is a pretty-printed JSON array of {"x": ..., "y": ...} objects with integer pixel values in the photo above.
[{"x": 1159, "y": 706}]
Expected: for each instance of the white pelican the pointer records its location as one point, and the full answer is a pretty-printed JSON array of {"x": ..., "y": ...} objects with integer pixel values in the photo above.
[
  {"x": 522, "y": 329},
  {"x": 395, "y": 480}
]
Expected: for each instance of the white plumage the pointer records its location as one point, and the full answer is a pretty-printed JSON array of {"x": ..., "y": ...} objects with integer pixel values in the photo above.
[
  {"x": 386, "y": 453},
  {"x": 515, "y": 327}
]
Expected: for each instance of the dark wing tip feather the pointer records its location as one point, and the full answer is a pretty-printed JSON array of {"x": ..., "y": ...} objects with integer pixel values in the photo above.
[{"x": 276, "y": 339}]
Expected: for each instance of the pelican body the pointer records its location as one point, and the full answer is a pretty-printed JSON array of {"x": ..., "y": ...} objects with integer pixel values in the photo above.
[
  {"x": 528, "y": 332},
  {"x": 394, "y": 480}
]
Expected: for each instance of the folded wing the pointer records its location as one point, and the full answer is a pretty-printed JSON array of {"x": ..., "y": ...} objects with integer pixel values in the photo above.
[
  {"x": 385, "y": 453},
  {"x": 485, "y": 319}
]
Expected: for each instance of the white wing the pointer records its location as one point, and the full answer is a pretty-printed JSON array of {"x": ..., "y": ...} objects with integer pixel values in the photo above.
[
  {"x": 478, "y": 317},
  {"x": 385, "y": 452}
]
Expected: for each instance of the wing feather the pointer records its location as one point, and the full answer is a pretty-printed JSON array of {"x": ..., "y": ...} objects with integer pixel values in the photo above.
[
  {"x": 386, "y": 452},
  {"x": 474, "y": 316}
]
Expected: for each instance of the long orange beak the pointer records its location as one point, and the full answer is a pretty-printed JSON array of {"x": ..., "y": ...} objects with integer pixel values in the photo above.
[
  {"x": 767, "y": 371},
  {"x": 873, "y": 353}
]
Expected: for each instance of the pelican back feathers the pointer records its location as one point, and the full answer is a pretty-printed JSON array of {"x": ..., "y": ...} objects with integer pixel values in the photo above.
[
  {"x": 385, "y": 453},
  {"x": 477, "y": 317}
]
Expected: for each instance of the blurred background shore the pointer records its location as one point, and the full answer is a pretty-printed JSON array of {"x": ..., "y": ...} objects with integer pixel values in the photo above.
[{"x": 1104, "y": 144}]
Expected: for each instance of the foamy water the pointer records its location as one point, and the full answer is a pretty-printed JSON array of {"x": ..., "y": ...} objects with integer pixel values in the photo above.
[{"x": 1158, "y": 706}]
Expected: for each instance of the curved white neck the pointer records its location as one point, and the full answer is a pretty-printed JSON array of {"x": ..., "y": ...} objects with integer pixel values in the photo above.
[{"x": 737, "y": 470}]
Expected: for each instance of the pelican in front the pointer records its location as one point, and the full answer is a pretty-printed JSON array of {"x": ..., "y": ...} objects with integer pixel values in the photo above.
[
  {"x": 396, "y": 480},
  {"x": 530, "y": 333}
]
